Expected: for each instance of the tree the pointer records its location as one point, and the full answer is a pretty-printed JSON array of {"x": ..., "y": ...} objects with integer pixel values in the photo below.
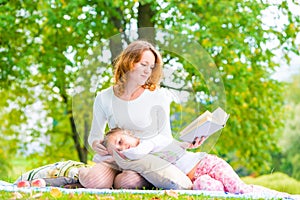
[
  {"x": 287, "y": 160},
  {"x": 44, "y": 46}
]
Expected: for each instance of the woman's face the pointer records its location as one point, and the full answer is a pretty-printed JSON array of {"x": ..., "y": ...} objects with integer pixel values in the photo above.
[
  {"x": 121, "y": 141},
  {"x": 142, "y": 69}
]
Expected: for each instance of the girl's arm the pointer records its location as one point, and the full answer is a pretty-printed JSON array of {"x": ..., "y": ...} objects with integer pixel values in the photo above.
[
  {"x": 145, "y": 147},
  {"x": 139, "y": 151}
]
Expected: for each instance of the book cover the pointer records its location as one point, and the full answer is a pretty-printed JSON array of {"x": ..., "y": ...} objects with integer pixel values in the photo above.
[{"x": 205, "y": 125}]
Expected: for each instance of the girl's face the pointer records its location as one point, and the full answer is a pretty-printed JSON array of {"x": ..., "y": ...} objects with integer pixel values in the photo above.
[
  {"x": 142, "y": 69},
  {"x": 121, "y": 141}
]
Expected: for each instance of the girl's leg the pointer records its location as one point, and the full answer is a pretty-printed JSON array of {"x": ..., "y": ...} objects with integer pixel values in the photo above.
[
  {"x": 257, "y": 189},
  {"x": 98, "y": 176},
  {"x": 131, "y": 180},
  {"x": 205, "y": 182},
  {"x": 221, "y": 171}
]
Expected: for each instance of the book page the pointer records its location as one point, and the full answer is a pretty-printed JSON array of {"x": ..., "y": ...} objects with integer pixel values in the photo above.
[
  {"x": 205, "y": 125},
  {"x": 190, "y": 136},
  {"x": 220, "y": 116},
  {"x": 206, "y": 116}
]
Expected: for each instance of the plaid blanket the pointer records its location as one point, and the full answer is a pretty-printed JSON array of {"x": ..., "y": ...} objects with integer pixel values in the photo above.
[{"x": 59, "y": 169}]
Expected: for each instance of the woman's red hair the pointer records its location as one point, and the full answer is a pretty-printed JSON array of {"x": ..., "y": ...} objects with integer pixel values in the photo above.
[{"x": 131, "y": 55}]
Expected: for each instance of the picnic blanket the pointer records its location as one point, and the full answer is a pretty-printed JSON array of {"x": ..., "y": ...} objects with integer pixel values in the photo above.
[{"x": 10, "y": 187}]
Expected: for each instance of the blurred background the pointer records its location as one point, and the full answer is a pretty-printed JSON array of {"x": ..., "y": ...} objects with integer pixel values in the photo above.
[{"x": 253, "y": 44}]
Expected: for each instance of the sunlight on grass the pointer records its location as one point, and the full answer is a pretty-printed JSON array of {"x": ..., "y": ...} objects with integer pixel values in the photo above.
[
  {"x": 113, "y": 196},
  {"x": 19, "y": 166},
  {"x": 277, "y": 181}
]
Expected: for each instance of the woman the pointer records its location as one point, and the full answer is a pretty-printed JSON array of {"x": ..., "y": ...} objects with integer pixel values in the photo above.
[{"x": 135, "y": 102}]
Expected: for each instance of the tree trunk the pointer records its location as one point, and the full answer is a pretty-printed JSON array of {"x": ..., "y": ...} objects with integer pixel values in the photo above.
[
  {"x": 82, "y": 151},
  {"x": 145, "y": 25},
  {"x": 115, "y": 45}
]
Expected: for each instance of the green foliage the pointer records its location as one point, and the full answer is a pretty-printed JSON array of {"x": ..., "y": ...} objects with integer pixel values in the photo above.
[
  {"x": 232, "y": 33},
  {"x": 4, "y": 166},
  {"x": 288, "y": 159},
  {"x": 44, "y": 47}
]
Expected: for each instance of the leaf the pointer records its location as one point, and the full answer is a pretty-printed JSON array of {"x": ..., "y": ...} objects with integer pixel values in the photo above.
[
  {"x": 155, "y": 198},
  {"x": 105, "y": 197},
  {"x": 37, "y": 195},
  {"x": 55, "y": 192},
  {"x": 172, "y": 193},
  {"x": 17, "y": 195}
]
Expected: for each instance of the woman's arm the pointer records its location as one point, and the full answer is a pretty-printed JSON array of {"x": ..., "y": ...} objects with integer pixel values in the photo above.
[
  {"x": 169, "y": 97},
  {"x": 97, "y": 129}
]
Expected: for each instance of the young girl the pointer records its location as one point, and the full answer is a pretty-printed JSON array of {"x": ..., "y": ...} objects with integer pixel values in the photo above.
[{"x": 207, "y": 172}]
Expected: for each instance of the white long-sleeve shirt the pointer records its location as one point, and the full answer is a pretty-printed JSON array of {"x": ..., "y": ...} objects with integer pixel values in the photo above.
[
  {"x": 147, "y": 117},
  {"x": 171, "y": 152}
]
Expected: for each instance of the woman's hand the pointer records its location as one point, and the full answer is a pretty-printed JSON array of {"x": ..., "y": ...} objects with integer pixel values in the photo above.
[
  {"x": 99, "y": 148},
  {"x": 196, "y": 143}
]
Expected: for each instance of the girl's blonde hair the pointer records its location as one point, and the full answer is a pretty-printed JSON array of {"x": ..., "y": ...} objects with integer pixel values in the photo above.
[
  {"x": 131, "y": 55},
  {"x": 112, "y": 132},
  {"x": 109, "y": 134}
]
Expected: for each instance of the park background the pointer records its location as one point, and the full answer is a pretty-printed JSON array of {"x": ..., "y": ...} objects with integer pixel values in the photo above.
[{"x": 43, "y": 45}]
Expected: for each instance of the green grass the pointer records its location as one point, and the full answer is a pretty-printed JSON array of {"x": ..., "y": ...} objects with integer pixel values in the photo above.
[
  {"x": 277, "y": 181},
  {"x": 116, "y": 196},
  {"x": 18, "y": 166}
]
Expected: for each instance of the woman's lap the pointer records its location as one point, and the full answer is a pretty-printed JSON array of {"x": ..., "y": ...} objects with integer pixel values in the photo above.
[
  {"x": 128, "y": 179},
  {"x": 98, "y": 176},
  {"x": 104, "y": 175}
]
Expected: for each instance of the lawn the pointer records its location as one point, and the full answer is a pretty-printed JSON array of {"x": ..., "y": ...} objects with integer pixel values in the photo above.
[
  {"x": 117, "y": 196},
  {"x": 277, "y": 181}
]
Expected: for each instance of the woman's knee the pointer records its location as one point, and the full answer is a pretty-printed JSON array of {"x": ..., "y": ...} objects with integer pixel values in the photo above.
[
  {"x": 98, "y": 176},
  {"x": 130, "y": 180}
]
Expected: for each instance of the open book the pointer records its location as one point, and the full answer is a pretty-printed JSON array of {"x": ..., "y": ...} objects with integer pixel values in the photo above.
[{"x": 205, "y": 125}]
